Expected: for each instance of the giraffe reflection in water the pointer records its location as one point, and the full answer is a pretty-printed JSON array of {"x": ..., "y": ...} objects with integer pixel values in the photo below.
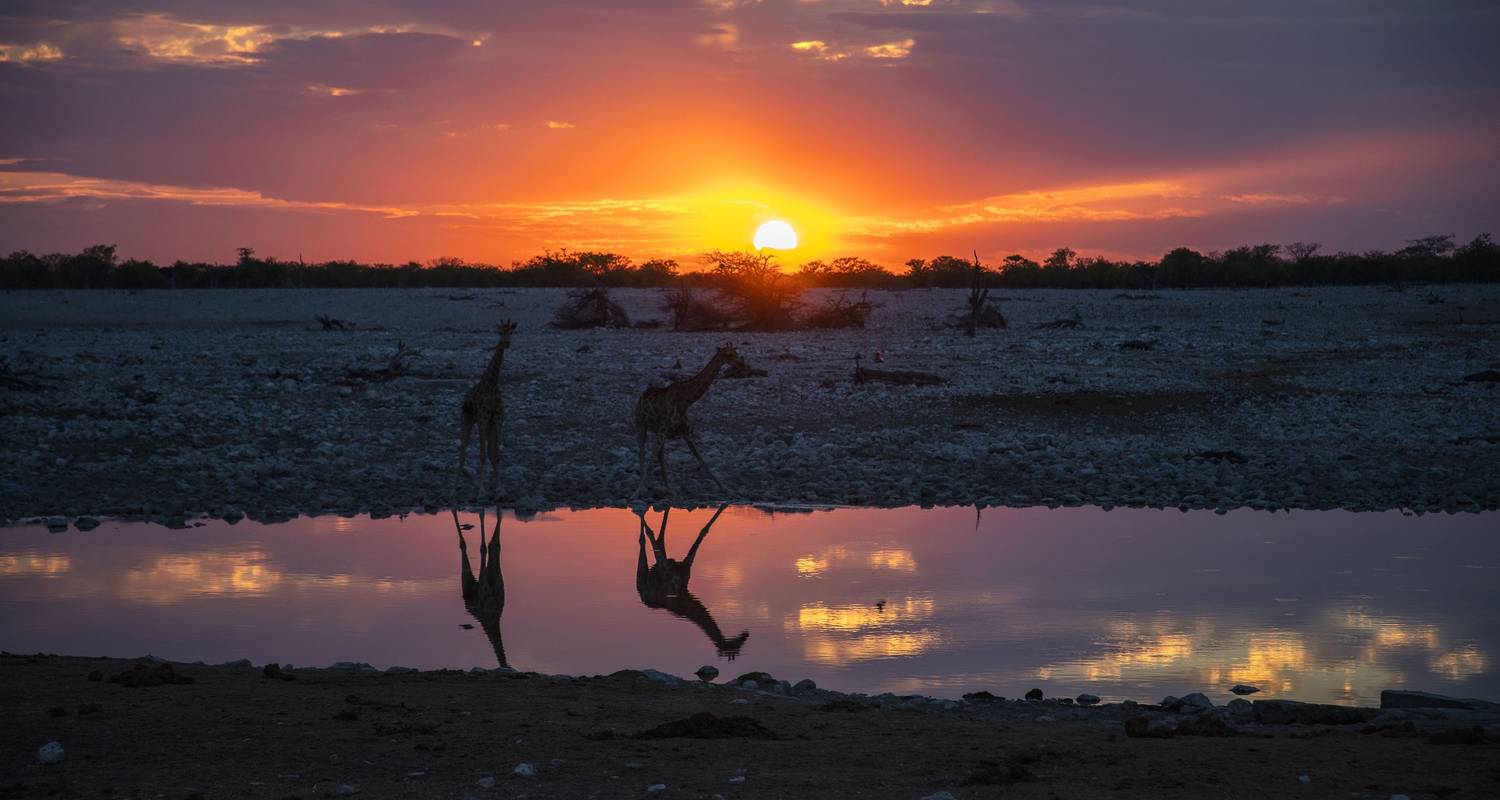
[
  {"x": 665, "y": 584},
  {"x": 484, "y": 591}
]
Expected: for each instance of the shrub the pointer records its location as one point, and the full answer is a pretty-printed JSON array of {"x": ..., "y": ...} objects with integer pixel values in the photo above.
[
  {"x": 688, "y": 310},
  {"x": 840, "y": 313},
  {"x": 759, "y": 295},
  {"x": 590, "y": 308}
]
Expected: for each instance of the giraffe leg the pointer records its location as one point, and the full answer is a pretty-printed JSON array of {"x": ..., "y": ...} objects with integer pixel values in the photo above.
[
  {"x": 640, "y": 458},
  {"x": 463, "y": 442},
  {"x": 495, "y": 458},
  {"x": 694, "y": 448},
  {"x": 479, "y": 467},
  {"x": 661, "y": 462}
]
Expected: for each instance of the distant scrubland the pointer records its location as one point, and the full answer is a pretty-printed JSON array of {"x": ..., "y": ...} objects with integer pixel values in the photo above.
[{"x": 1432, "y": 259}]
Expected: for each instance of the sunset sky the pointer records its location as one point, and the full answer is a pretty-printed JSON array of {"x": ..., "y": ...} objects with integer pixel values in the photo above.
[{"x": 399, "y": 130}]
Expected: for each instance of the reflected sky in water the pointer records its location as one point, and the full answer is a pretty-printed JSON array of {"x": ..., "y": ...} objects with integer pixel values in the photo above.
[{"x": 1328, "y": 606}]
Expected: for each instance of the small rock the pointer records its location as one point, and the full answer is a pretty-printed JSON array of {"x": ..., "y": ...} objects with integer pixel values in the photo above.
[
  {"x": 1034, "y": 694},
  {"x": 1304, "y": 779},
  {"x": 804, "y": 685},
  {"x": 346, "y": 788},
  {"x": 524, "y": 770},
  {"x": 942, "y": 794},
  {"x": 739, "y": 701},
  {"x": 707, "y": 672},
  {"x": 86, "y": 523},
  {"x": 50, "y": 753},
  {"x": 1088, "y": 700},
  {"x": 487, "y": 782},
  {"x": 1242, "y": 689},
  {"x": 656, "y": 787},
  {"x": 1045, "y": 718},
  {"x": 1195, "y": 702},
  {"x": 737, "y": 779},
  {"x": 749, "y": 686},
  {"x": 57, "y": 524},
  {"x": 239, "y": 663},
  {"x": 1240, "y": 707}
]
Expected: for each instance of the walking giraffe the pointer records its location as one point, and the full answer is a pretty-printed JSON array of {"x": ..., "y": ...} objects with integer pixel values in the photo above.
[{"x": 662, "y": 411}]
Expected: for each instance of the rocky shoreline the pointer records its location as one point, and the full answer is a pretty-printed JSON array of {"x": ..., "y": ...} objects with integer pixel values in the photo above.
[
  {"x": 80, "y": 725},
  {"x": 165, "y": 405}
]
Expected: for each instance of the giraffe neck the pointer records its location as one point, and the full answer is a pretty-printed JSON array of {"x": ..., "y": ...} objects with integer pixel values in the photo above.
[
  {"x": 696, "y": 386},
  {"x": 491, "y": 379}
]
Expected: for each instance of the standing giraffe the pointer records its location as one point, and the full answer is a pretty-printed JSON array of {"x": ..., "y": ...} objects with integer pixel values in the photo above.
[
  {"x": 664, "y": 584},
  {"x": 483, "y": 406},
  {"x": 662, "y": 411}
]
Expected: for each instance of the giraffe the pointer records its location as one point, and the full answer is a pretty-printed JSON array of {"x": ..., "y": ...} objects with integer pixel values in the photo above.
[
  {"x": 662, "y": 410},
  {"x": 664, "y": 584},
  {"x": 484, "y": 595},
  {"x": 484, "y": 407}
]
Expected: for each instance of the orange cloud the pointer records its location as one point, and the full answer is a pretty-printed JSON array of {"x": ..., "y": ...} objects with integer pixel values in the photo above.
[
  {"x": 331, "y": 91},
  {"x": 900, "y": 49},
  {"x": 723, "y": 36},
  {"x": 52, "y": 187},
  {"x": 164, "y": 38},
  {"x": 28, "y": 53},
  {"x": 823, "y": 51}
]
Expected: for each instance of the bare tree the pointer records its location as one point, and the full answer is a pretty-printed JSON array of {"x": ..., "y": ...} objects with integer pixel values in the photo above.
[{"x": 1302, "y": 251}]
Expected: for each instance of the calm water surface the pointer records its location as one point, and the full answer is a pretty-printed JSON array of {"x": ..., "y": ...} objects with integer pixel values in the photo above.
[{"x": 1328, "y": 606}]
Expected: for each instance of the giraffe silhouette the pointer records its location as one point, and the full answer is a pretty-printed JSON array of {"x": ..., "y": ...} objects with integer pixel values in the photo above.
[
  {"x": 484, "y": 592},
  {"x": 664, "y": 584},
  {"x": 484, "y": 407},
  {"x": 662, "y": 412}
]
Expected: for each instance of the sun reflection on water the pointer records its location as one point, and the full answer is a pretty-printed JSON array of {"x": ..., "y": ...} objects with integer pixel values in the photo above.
[{"x": 35, "y": 564}]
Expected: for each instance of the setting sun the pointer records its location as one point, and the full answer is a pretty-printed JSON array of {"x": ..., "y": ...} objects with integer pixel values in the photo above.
[{"x": 776, "y": 235}]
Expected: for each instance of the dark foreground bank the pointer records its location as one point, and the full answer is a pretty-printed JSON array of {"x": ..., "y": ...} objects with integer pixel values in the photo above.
[{"x": 147, "y": 729}]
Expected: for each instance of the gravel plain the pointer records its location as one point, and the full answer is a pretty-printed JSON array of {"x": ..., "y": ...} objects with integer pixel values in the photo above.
[{"x": 166, "y": 405}]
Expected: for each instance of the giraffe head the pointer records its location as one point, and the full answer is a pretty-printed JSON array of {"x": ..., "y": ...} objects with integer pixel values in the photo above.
[
  {"x": 506, "y": 328},
  {"x": 728, "y": 355}
]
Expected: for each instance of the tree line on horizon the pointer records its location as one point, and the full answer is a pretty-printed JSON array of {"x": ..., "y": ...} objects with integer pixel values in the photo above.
[{"x": 1431, "y": 259}]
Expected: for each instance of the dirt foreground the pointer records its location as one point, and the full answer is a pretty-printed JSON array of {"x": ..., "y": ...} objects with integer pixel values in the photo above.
[{"x": 236, "y": 732}]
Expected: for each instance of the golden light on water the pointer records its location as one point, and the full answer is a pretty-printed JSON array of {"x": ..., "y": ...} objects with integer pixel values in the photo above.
[{"x": 35, "y": 564}]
